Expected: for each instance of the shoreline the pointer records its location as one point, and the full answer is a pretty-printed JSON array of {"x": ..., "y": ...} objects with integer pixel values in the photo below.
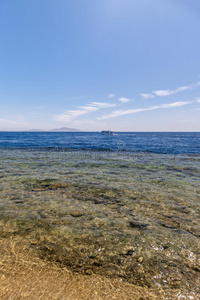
[{"x": 18, "y": 268}]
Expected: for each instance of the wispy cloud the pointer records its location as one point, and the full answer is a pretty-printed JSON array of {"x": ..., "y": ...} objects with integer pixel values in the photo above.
[
  {"x": 124, "y": 100},
  {"x": 118, "y": 113},
  {"x": 103, "y": 104},
  {"x": 111, "y": 95},
  {"x": 147, "y": 96},
  {"x": 82, "y": 110},
  {"x": 172, "y": 92},
  {"x": 167, "y": 92},
  {"x": 198, "y": 100}
]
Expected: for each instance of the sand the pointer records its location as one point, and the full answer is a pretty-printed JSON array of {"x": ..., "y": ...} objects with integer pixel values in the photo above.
[{"x": 25, "y": 276}]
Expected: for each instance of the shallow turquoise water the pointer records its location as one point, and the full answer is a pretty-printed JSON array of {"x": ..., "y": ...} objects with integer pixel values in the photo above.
[{"x": 125, "y": 214}]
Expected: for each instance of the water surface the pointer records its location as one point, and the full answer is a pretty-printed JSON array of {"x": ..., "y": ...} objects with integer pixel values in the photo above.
[
  {"x": 120, "y": 214},
  {"x": 155, "y": 142}
]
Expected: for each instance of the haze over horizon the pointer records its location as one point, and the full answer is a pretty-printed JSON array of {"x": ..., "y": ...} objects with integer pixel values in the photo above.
[{"x": 125, "y": 65}]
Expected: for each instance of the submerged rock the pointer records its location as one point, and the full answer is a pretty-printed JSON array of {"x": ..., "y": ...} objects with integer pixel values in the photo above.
[
  {"x": 76, "y": 214},
  {"x": 137, "y": 224}
]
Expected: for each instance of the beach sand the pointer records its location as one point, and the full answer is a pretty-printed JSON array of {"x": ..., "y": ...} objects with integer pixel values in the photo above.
[{"x": 25, "y": 276}]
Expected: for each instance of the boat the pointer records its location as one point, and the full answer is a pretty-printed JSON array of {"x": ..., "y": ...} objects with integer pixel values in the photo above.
[{"x": 108, "y": 132}]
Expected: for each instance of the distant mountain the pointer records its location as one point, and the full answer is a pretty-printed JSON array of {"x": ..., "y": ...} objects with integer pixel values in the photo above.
[
  {"x": 62, "y": 129},
  {"x": 66, "y": 129},
  {"x": 36, "y": 130}
]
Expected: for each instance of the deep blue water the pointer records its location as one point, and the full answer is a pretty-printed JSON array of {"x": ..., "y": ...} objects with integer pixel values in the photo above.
[{"x": 162, "y": 143}]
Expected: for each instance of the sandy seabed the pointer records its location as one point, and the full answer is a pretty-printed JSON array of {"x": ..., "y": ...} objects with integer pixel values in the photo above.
[{"x": 25, "y": 277}]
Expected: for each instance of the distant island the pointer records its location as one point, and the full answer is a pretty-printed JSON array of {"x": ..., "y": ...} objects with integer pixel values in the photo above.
[
  {"x": 62, "y": 129},
  {"x": 39, "y": 130}
]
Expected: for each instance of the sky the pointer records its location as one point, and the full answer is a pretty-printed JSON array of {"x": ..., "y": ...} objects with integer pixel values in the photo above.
[{"x": 124, "y": 65}]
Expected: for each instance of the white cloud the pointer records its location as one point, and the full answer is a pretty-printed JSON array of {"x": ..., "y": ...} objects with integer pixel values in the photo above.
[
  {"x": 172, "y": 92},
  {"x": 147, "y": 96},
  {"x": 118, "y": 113},
  {"x": 68, "y": 116},
  {"x": 174, "y": 104},
  {"x": 161, "y": 93},
  {"x": 103, "y": 105},
  {"x": 88, "y": 108},
  {"x": 111, "y": 95},
  {"x": 184, "y": 88},
  {"x": 124, "y": 100},
  {"x": 198, "y": 100}
]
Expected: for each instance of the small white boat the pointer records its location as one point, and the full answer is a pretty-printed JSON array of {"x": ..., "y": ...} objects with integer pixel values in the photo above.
[{"x": 108, "y": 132}]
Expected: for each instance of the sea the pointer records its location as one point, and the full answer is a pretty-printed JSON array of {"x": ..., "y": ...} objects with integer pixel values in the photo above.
[
  {"x": 152, "y": 142},
  {"x": 123, "y": 206}
]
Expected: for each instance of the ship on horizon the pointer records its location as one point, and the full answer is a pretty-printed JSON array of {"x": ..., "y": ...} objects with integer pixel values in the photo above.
[{"x": 108, "y": 132}]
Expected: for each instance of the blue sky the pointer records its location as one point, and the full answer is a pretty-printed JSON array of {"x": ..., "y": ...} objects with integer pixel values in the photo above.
[{"x": 125, "y": 65}]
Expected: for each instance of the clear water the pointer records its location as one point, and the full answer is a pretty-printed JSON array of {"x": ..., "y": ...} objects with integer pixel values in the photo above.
[{"x": 133, "y": 215}]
